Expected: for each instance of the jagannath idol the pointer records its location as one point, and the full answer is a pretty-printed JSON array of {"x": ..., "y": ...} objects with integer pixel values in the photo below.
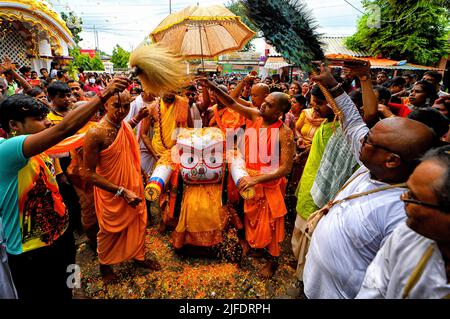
[{"x": 192, "y": 185}]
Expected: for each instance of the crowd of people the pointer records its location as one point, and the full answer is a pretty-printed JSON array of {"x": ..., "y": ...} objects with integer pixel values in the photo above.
[{"x": 363, "y": 176}]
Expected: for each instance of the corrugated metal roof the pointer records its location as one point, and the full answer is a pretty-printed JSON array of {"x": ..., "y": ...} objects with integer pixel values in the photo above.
[
  {"x": 335, "y": 45},
  {"x": 275, "y": 63},
  {"x": 242, "y": 62},
  {"x": 396, "y": 65},
  {"x": 407, "y": 66}
]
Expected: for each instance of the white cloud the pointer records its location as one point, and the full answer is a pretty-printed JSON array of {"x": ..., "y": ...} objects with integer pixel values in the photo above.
[{"x": 128, "y": 23}]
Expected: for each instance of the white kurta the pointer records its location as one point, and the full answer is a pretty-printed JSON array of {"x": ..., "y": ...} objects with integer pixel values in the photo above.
[
  {"x": 391, "y": 269},
  {"x": 147, "y": 159},
  {"x": 347, "y": 239},
  {"x": 196, "y": 116}
]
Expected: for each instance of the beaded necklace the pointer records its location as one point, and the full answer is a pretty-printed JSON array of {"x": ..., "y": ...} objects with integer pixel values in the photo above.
[
  {"x": 112, "y": 123},
  {"x": 161, "y": 135}
]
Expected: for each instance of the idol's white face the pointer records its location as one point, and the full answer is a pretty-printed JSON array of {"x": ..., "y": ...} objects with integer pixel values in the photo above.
[{"x": 201, "y": 157}]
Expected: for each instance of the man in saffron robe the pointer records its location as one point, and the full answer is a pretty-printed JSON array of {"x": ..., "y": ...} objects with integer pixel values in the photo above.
[
  {"x": 264, "y": 213},
  {"x": 166, "y": 115},
  {"x": 112, "y": 164},
  {"x": 222, "y": 117}
]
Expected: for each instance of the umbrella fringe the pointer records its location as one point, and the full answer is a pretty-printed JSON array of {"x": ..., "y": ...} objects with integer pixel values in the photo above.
[
  {"x": 216, "y": 15},
  {"x": 199, "y": 18}
]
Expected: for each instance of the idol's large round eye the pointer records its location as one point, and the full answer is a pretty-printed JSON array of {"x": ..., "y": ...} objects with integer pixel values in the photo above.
[
  {"x": 189, "y": 160},
  {"x": 213, "y": 160}
]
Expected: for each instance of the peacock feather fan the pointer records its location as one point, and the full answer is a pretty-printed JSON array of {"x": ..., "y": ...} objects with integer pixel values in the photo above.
[{"x": 289, "y": 26}]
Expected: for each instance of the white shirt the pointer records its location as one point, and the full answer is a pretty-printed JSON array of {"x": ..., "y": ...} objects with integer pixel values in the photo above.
[
  {"x": 53, "y": 73},
  {"x": 135, "y": 106},
  {"x": 347, "y": 239},
  {"x": 196, "y": 116},
  {"x": 391, "y": 269}
]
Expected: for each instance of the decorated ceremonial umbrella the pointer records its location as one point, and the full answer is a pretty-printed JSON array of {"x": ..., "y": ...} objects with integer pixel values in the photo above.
[
  {"x": 288, "y": 25},
  {"x": 202, "y": 32}
]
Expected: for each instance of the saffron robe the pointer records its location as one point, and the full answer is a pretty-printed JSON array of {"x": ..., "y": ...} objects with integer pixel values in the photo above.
[
  {"x": 122, "y": 227},
  {"x": 264, "y": 214}
]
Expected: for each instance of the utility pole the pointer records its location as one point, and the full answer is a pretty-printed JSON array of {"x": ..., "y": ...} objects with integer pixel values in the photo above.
[
  {"x": 96, "y": 42},
  {"x": 170, "y": 6},
  {"x": 95, "y": 38}
]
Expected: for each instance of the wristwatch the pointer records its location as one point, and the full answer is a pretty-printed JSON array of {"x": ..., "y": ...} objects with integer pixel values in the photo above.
[{"x": 337, "y": 90}]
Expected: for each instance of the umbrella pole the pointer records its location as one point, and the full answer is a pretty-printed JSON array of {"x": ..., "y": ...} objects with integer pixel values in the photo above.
[{"x": 201, "y": 46}]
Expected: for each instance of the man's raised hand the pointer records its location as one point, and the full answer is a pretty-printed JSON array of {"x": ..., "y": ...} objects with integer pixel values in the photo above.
[
  {"x": 116, "y": 85},
  {"x": 7, "y": 65},
  {"x": 360, "y": 70},
  {"x": 325, "y": 77}
]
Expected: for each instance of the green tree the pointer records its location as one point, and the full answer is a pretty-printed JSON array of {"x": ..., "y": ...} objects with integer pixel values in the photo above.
[
  {"x": 120, "y": 57},
  {"x": 74, "y": 24},
  {"x": 84, "y": 61},
  {"x": 238, "y": 9},
  {"x": 412, "y": 30}
]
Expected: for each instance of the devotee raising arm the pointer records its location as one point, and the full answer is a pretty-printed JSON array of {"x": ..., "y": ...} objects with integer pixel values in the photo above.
[
  {"x": 206, "y": 101},
  {"x": 387, "y": 156},
  {"x": 8, "y": 66},
  {"x": 75, "y": 120},
  {"x": 370, "y": 104},
  {"x": 249, "y": 112},
  {"x": 236, "y": 93},
  {"x": 286, "y": 138}
]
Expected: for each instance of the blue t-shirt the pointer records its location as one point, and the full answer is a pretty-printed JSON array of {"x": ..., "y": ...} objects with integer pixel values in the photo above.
[
  {"x": 32, "y": 209},
  {"x": 12, "y": 160}
]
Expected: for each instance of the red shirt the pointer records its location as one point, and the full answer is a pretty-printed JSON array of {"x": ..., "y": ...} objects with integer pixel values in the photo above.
[
  {"x": 94, "y": 88},
  {"x": 401, "y": 110}
]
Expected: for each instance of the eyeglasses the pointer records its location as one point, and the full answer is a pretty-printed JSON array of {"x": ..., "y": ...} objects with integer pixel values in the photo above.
[
  {"x": 366, "y": 141},
  {"x": 406, "y": 197},
  {"x": 190, "y": 94}
]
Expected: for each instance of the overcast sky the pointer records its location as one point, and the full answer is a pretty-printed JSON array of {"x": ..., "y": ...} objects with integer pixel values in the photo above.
[{"x": 127, "y": 23}]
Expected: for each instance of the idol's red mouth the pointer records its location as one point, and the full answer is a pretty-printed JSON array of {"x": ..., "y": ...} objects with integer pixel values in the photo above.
[{"x": 202, "y": 179}]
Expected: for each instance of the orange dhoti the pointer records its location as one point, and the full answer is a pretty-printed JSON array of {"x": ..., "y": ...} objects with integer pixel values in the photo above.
[
  {"x": 264, "y": 213},
  {"x": 122, "y": 227},
  {"x": 264, "y": 217}
]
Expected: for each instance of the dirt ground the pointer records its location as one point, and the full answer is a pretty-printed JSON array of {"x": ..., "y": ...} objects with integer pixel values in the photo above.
[{"x": 184, "y": 277}]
